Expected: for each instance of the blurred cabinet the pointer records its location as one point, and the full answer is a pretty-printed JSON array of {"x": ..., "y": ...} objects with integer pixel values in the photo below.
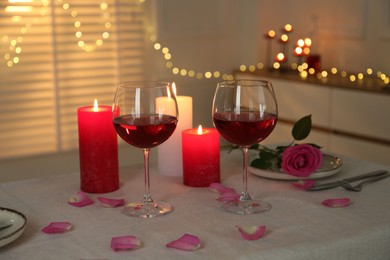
[{"x": 348, "y": 122}]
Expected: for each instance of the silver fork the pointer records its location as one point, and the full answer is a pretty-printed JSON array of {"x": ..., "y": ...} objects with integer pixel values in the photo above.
[{"x": 358, "y": 187}]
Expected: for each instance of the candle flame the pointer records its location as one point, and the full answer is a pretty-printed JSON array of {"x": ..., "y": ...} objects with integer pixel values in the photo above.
[
  {"x": 200, "y": 130},
  {"x": 95, "y": 106},
  {"x": 174, "y": 88}
]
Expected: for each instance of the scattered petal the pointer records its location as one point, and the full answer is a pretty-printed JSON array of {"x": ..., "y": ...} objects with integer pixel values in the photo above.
[
  {"x": 57, "y": 227},
  {"x": 303, "y": 184},
  {"x": 251, "y": 232},
  {"x": 111, "y": 203},
  {"x": 229, "y": 196},
  {"x": 187, "y": 242},
  {"x": 219, "y": 188},
  {"x": 80, "y": 200},
  {"x": 335, "y": 203},
  {"x": 125, "y": 242}
]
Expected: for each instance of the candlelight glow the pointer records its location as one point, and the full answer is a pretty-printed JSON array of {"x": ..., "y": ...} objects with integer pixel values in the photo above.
[
  {"x": 200, "y": 130},
  {"x": 95, "y": 106},
  {"x": 174, "y": 88}
]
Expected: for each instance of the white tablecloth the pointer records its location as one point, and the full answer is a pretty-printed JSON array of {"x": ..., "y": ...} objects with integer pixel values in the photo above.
[{"x": 298, "y": 226}]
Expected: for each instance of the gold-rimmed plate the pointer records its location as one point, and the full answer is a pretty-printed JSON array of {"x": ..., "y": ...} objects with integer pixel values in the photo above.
[
  {"x": 330, "y": 166},
  {"x": 18, "y": 222}
]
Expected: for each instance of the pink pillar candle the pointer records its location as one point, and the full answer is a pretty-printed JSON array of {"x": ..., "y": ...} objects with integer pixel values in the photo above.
[
  {"x": 98, "y": 149},
  {"x": 201, "y": 157}
]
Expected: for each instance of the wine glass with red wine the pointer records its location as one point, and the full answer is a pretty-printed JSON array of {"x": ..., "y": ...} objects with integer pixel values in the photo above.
[
  {"x": 145, "y": 115},
  {"x": 245, "y": 113}
]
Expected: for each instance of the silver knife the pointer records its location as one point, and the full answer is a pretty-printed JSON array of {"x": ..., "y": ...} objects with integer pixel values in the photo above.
[{"x": 334, "y": 184}]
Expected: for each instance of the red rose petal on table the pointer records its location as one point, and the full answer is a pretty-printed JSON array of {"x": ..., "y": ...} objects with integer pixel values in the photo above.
[
  {"x": 80, "y": 200},
  {"x": 229, "y": 196},
  {"x": 303, "y": 184},
  {"x": 336, "y": 203},
  {"x": 251, "y": 232},
  {"x": 125, "y": 243},
  {"x": 187, "y": 243},
  {"x": 111, "y": 203},
  {"x": 57, "y": 227},
  {"x": 219, "y": 188}
]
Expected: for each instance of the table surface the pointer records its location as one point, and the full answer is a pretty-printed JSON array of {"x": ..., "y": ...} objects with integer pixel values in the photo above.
[{"x": 297, "y": 226}]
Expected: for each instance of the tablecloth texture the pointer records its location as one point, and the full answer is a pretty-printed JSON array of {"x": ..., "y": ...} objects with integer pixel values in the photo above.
[{"x": 297, "y": 226}]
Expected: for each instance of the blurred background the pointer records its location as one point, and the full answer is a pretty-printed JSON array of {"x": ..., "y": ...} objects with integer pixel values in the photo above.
[{"x": 59, "y": 55}]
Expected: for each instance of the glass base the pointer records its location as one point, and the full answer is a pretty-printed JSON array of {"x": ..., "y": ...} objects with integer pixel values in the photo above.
[
  {"x": 246, "y": 207},
  {"x": 147, "y": 210}
]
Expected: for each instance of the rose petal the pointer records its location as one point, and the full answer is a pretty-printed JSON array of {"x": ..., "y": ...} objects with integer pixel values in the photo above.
[
  {"x": 187, "y": 242},
  {"x": 57, "y": 227},
  {"x": 219, "y": 188},
  {"x": 80, "y": 200},
  {"x": 125, "y": 242},
  {"x": 303, "y": 184},
  {"x": 229, "y": 196},
  {"x": 111, "y": 203},
  {"x": 334, "y": 203},
  {"x": 251, "y": 232}
]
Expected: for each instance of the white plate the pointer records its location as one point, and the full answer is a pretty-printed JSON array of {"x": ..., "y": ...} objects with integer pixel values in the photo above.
[
  {"x": 330, "y": 166},
  {"x": 18, "y": 221}
]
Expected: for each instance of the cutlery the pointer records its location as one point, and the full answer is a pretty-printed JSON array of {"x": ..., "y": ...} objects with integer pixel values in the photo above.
[
  {"x": 352, "y": 179},
  {"x": 5, "y": 227},
  {"x": 359, "y": 186}
]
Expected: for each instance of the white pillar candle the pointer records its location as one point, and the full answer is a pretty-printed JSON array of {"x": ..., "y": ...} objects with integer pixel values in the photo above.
[{"x": 169, "y": 153}]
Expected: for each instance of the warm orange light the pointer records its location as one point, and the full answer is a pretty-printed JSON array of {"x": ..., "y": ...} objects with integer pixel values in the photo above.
[
  {"x": 284, "y": 38},
  {"x": 95, "y": 106},
  {"x": 306, "y": 50},
  {"x": 173, "y": 89},
  {"x": 298, "y": 50},
  {"x": 271, "y": 34},
  {"x": 301, "y": 43},
  {"x": 280, "y": 57},
  {"x": 200, "y": 130},
  {"x": 308, "y": 42},
  {"x": 288, "y": 28}
]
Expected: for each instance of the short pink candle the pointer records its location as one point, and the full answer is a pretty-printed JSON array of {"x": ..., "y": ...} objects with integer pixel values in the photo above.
[
  {"x": 201, "y": 157},
  {"x": 98, "y": 149}
]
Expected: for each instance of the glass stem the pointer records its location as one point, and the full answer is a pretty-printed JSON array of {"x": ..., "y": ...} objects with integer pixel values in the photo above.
[
  {"x": 245, "y": 154},
  {"x": 147, "y": 196}
]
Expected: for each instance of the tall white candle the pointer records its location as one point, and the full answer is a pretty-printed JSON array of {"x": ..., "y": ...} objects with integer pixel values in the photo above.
[{"x": 169, "y": 153}]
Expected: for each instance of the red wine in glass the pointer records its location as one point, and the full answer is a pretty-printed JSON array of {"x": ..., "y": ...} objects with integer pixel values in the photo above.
[
  {"x": 145, "y": 114},
  {"x": 245, "y": 113},
  {"x": 232, "y": 126},
  {"x": 145, "y": 131}
]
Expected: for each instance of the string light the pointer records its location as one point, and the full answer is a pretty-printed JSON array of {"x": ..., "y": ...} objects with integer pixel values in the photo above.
[
  {"x": 77, "y": 24},
  {"x": 12, "y": 56}
]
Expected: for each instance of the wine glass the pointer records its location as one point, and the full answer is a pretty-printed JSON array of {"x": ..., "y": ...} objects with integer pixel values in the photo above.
[
  {"x": 145, "y": 114},
  {"x": 244, "y": 113}
]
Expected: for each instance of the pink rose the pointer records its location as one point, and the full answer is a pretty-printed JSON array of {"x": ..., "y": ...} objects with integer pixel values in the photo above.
[{"x": 301, "y": 160}]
